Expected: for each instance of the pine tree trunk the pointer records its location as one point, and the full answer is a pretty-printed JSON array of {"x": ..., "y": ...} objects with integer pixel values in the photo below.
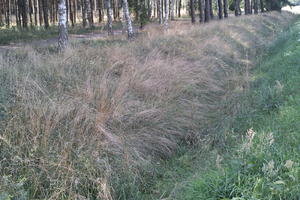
[
  {"x": 84, "y": 13},
  {"x": 207, "y": 10},
  {"x": 7, "y": 19},
  {"x": 89, "y": 12},
  {"x": 30, "y": 12},
  {"x": 179, "y": 8},
  {"x": 23, "y": 12},
  {"x": 261, "y": 6},
  {"x": 255, "y": 6},
  {"x": 211, "y": 12},
  {"x": 128, "y": 20},
  {"x": 149, "y": 9},
  {"x": 1, "y": 13},
  {"x": 166, "y": 20},
  {"x": 100, "y": 10},
  {"x": 237, "y": 8},
  {"x": 71, "y": 12},
  {"x": 225, "y": 8},
  {"x": 67, "y": 10},
  {"x": 75, "y": 10},
  {"x": 62, "y": 24},
  {"x": 220, "y": 9},
  {"x": 202, "y": 10},
  {"x": 109, "y": 17},
  {"x": 192, "y": 7},
  {"x": 45, "y": 11},
  {"x": 247, "y": 7},
  {"x": 35, "y": 12}
]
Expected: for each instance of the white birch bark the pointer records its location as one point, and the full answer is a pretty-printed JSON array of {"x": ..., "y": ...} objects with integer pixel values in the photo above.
[
  {"x": 109, "y": 17},
  {"x": 166, "y": 21},
  {"x": 160, "y": 11},
  {"x": 62, "y": 24},
  {"x": 128, "y": 20},
  {"x": 89, "y": 12}
]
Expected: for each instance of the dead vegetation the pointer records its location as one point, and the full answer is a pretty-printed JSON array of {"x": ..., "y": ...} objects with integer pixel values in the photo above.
[{"x": 91, "y": 122}]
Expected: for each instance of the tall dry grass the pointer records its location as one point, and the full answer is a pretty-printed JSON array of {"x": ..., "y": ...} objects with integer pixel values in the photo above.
[{"x": 91, "y": 123}]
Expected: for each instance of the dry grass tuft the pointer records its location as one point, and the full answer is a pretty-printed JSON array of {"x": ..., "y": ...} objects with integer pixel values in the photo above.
[{"x": 83, "y": 124}]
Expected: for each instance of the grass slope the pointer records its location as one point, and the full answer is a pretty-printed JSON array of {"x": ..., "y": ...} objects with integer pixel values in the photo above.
[
  {"x": 103, "y": 121},
  {"x": 266, "y": 162}
]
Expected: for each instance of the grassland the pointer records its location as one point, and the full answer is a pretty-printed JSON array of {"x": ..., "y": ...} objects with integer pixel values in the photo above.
[
  {"x": 104, "y": 121},
  {"x": 261, "y": 157}
]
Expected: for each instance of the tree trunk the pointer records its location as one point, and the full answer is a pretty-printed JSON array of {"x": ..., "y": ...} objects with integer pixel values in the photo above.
[
  {"x": 179, "y": 8},
  {"x": 172, "y": 9},
  {"x": 261, "y": 6},
  {"x": 255, "y": 6},
  {"x": 247, "y": 7},
  {"x": 220, "y": 9},
  {"x": 89, "y": 12},
  {"x": 71, "y": 12},
  {"x": 159, "y": 9},
  {"x": 237, "y": 8},
  {"x": 35, "y": 12},
  {"x": 7, "y": 16},
  {"x": 75, "y": 10},
  {"x": 40, "y": 12},
  {"x": 84, "y": 13},
  {"x": 62, "y": 24},
  {"x": 109, "y": 17},
  {"x": 211, "y": 12},
  {"x": 207, "y": 10},
  {"x": 166, "y": 22},
  {"x": 192, "y": 7},
  {"x": 1, "y": 13},
  {"x": 45, "y": 11},
  {"x": 149, "y": 9},
  {"x": 22, "y": 7},
  {"x": 100, "y": 10},
  {"x": 128, "y": 20},
  {"x": 225, "y": 8},
  {"x": 202, "y": 10},
  {"x": 30, "y": 12}
]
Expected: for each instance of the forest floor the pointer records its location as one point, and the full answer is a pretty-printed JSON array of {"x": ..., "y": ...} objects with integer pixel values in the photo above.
[{"x": 265, "y": 162}]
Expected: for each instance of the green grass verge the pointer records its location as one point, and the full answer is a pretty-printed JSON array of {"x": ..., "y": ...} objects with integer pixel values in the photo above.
[{"x": 262, "y": 159}]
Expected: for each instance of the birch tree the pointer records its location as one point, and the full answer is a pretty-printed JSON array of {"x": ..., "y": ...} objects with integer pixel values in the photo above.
[
  {"x": 62, "y": 24},
  {"x": 166, "y": 22},
  {"x": 128, "y": 20},
  {"x": 160, "y": 11},
  {"x": 109, "y": 17}
]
